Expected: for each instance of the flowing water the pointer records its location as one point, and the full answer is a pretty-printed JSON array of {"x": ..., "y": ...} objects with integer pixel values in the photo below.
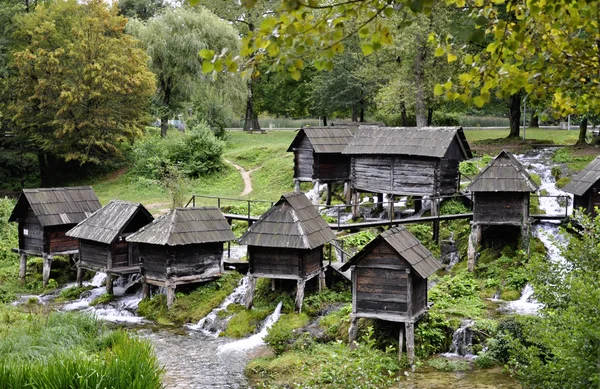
[{"x": 462, "y": 341}]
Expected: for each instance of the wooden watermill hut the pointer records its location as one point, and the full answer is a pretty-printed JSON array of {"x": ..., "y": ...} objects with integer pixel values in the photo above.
[
  {"x": 183, "y": 246},
  {"x": 585, "y": 186},
  {"x": 407, "y": 160},
  {"x": 389, "y": 282},
  {"x": 44, "y": 216},
  {"x": 102, "y": 244},
  {"x": 501, "y": 194},
  {"x": 287, "y": 243},
  {"x": 318, "y": 156}
]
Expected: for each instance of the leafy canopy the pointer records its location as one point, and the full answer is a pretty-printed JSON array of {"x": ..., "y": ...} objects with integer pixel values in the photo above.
[{"x": 82, "y": 85}]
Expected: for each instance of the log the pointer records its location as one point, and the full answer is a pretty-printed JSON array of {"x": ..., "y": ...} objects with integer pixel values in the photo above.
[{"x": 410, "y": 343}]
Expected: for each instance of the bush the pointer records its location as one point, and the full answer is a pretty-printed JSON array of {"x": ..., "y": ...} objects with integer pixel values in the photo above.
[
  {"x": 468, "y": 168},
  {"x": 444, "y": 364},
  {"x": 441, "y": 118}
]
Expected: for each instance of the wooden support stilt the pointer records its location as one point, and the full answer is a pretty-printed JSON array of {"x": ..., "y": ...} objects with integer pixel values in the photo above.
[
  {"x": 109, "y": 283},
  {"x": 250, "y": 291},
  {"x": 145, "y": 288},
  {"x": 391, "y": 206},
  {"x": 410, "y": 343},
  {"x": 322, "y": 284},
  {"x": 316, "y": 192},
  {"x": 474, "y": 240},
  {"x": 272, "y": 284},
  {"x": 47, "y": 264},
  {"x": 170, "y": 295},
  {"x": 79, "y": 275},
  {"x": 347, "y": 192},
  {"x": 352, "y": 332},
  {"x": 400, "y": 341},
  {"x": 355, "y": 200},
  {"x": 328, "y": 198},
  {"x": 296, "y": 186},
  {"x": 300, "y": 295},
  {"x": 23, "y": 267},
  {"x": 436, "y": 223}
]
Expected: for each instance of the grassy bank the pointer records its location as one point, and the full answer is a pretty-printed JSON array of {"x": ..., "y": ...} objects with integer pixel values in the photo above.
[{"x": 67, "y": 350}]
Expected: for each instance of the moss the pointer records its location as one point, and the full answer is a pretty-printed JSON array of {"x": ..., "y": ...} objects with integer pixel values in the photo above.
[
  {"x": 280, "y": 335},
  {"x": 560, "y": 183},
  {"x": 337, "y": 323},
  {"x": 245, "y": 322},
  {"x": 190, "y": 307},
  {"x": 72, "y": 293},
  {"x": 102, "y": 299},
  {"x": 536, "y": 178},
  {"x": 510, "y": 295}
]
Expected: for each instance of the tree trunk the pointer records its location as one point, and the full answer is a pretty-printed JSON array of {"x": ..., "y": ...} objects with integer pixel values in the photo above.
[
  {"x": 514, "y": 114},
  {"x": 354, "y": 114},
  {"x": 429, "y": 117},
  {"x": 535, "y": 120},
  {"x": 403, "y": 114},
  {"x": 361, "y": 117},
  {"x": 420, "y": 106},
  {"x": 582, "y": 131},
  {"x": 324, "y": 118},
  {"x": 164, "y": 125},
  {"x": 249, "y": 118},
  {"x": 255, "y": 123}
]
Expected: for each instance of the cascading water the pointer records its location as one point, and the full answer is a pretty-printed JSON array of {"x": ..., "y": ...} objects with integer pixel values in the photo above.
[
  {"x": 212, "y": 325},
  {"x": 547, "y": 231},
  {"x": 462, "y": 341}
]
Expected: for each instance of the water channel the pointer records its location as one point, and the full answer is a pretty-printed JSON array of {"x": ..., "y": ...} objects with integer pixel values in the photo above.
[{"x": 195, "y": 357}]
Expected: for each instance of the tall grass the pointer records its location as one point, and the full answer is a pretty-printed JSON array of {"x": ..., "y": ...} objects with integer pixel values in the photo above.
[
  {"x": 484, "y": 121},
  {"x": 68, "y": 350}
]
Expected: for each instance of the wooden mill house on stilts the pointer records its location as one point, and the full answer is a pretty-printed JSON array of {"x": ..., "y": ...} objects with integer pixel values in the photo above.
[
  {"x": 501, "y": 194},
  {"x": 102, "y": 244},
  {"x": 585, "y": 186},
  {"x": 389, "y": 282},
  {"x": 407, "y": 161},
  {"x": 44, "y": 216},
  {"x": 183, "y": 246},
  {"x": 287, "y": 243},
  {"x": 318, "y": 157}
]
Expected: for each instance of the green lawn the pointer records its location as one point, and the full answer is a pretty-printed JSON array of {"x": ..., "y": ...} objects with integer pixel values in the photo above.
[{"x": 560, "y": 137}]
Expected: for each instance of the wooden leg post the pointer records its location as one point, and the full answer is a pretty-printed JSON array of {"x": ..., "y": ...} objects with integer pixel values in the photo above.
[
  {"x": 47, "y": 264},
  {"x": 347, "y": 192},
  {"x": 322, "y": 284},
  {"x": 170, "y": 295},
  {"x": 109, "y": 283},
  {"x": 145, "y": 288},
  {"x": 23, "y": 267},
  {"x": 436, "y": 223},
  {"x": 418, "y": 203},
  {"x": 272, "y": 284},
  {"x": 328, "y": 198},
  {"x": 352, "y": 332},
  {"x": 474, "y": 240},
  {"x": 300, "y": 295},
  {"x": 296, "y": 186},
  {"x": 250, "y": 291},
  {"x": 410, "y": 343},
  {"x": 400, "y": 341},
  {"x": 391, "y": 206},
  {"x": 79, "y": 275},
  {"x": 316, "y": 192},
  {"x": 355, "y": 200}
]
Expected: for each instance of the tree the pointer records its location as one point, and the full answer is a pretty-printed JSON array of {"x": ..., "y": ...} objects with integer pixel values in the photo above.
[
  {"x": 562, "y": 348},
  {"x": 173, "y": 41},
  {"x": 82, "y": 85},
  {"x": 141, "y": 9}
]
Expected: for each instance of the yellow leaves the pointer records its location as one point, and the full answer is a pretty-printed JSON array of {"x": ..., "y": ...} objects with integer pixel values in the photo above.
[
  {"x": 452, "y": 57},
  {"x": 367, "y": 49},
  {"x": 439, "y": 51},
  {"x": 438, "y": 90}
]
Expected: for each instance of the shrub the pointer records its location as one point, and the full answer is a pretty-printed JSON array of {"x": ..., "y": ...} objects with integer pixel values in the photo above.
[{"x": 468, "y": 168}]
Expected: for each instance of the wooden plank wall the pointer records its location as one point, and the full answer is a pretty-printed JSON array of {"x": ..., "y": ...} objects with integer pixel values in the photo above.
[
  {"x": 312, "y": 260},
  {"x": 394, "y": 174},
  {"x": 304, "y": 160},
  {"x": 57, "y": 240},
  {"x": 120, "y": 253},
  {"x": 381, "y": 282},
  {"x": 448, "y": 176},
  {"x": 332, "y": 167},
  {"x": 270, "y": 260},
  {"x": 499, "y": 207},
  {"x": 419, "y": 295},
  {"x": 189, "y": 260},
  {"x": 93, "y": 253},
  {"x": 31, "y": 233}
]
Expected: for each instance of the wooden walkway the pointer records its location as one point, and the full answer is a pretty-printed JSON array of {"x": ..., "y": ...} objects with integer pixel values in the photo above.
[{"x": 336, "y": 267}]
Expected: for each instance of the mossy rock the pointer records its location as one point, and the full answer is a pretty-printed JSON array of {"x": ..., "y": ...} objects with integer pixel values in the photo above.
[
  {"x": 562, "y": 182},
  {"x": 510, "y": 295}
]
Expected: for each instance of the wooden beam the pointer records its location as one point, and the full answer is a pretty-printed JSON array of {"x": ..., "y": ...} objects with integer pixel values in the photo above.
[
  {"x": 410, "y": 343},
  {"x": 400, "y": 341},
  {"x": 300, "y": 295},
  {"x": 47, "y": 263},
  {"x": 250, "y": 291},
  {"x": 22, "y": 267}
]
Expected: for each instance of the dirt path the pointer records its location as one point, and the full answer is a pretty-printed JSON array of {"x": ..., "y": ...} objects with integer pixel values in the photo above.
[{"x": 245, "y": 176}]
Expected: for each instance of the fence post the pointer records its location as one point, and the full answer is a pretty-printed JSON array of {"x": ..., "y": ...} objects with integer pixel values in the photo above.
[{"x": 338, "y": 217}]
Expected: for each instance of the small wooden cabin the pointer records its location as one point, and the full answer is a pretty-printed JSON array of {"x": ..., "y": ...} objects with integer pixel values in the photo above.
[
  {"x": 585, "y": 186},
  {"x": 318, "y": 155},
  {"x": 102, "y": 244},
  {"x": 407, "y": 160},
  {"x": 500, "y": 198},
  {"x": 287, "y": 243},
  {"x": 389, "y": 282},
  {"x": 181, "y": 247},
  {"x": 44, "y": 216}
]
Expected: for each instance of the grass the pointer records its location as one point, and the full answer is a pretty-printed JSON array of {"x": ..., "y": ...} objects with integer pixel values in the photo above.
[
  {"x": 102, "y": 299},
  {"x": 69, "y": 350},
  {"x": 190, "y": 307},
  {"x": 72, "y": 293},
  {"x": 445, "y": 364}
]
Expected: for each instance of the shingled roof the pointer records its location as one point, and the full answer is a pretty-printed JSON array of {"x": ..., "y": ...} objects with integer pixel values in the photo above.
[
  {"x": 183, "y": 226},
  {"x": 503, "y": 174},
  {"x": 108, "y": 222},
  {"x": 425, "y": 142},
  {"x": 293, "y": 222},
  {"x": 407, "y": 246},
  {"x": 325, "y": 139},
  {"x": 57, "y": 206},
  {"x": 583, "y": 181}
]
